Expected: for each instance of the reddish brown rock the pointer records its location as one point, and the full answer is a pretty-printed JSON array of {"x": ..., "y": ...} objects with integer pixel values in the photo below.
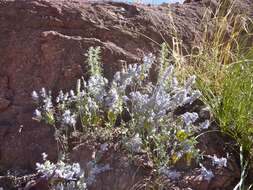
[{"x": 4, "y": 103}]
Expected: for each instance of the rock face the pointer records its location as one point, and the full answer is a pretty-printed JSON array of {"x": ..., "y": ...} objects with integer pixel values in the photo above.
[{"x": 43, "y": 44}]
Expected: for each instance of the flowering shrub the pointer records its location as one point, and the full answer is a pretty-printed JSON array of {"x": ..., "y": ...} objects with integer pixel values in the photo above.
[{"x": 142, "y": 111}]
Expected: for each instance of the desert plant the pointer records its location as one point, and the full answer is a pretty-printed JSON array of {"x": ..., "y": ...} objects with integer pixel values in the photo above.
[{"x": 97, "y": 105}]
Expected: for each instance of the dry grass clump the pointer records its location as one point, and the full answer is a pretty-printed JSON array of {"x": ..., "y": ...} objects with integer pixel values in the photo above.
[{"x": 223, "y": 64}]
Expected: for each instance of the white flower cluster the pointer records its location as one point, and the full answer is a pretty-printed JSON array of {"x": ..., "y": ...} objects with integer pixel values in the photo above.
[
  {"x": 205, "y": 124},
  {"x": 92, "y": 99},
  {"x": 205, "y": 173},
  {"x": 71, "y": 174},
  {"x": 97, "y": 88},
  {"x": 135, "y": 143},
  {"x": 170, "y": 173},
  {"x": 220, "y": 162},
  {"x": 133, "y": 73},
  {"x": 104, "y": 147},
  {"x": 43, "y": 98},
  {"x": 156, "y": 105},
  {"x": 68, "y": 118},
  {"x": 190, "y": 118},
  {"x": 70, "y": 186}
]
